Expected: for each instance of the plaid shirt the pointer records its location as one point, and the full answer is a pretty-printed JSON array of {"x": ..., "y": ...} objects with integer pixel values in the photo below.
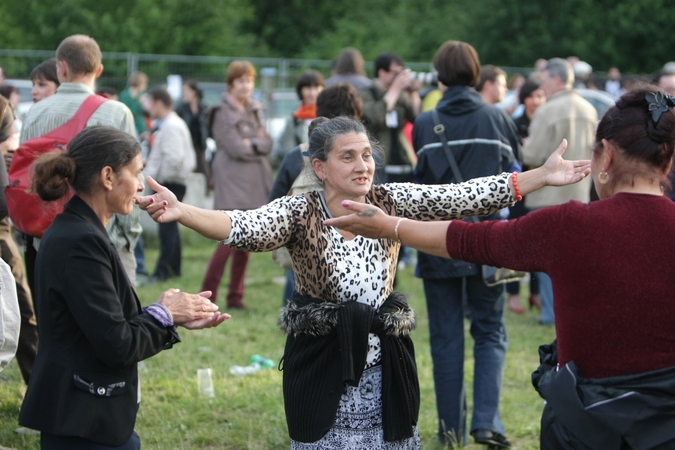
[{"x": 58, "y": 109}]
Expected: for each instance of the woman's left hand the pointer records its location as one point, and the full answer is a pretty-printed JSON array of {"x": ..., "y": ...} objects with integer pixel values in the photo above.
[
  {"x": 163, "y": 206},
  {"x": 189, "y": 308},
  {"x": 207, "y": 322},
  {"x": 559, "y": 172}
]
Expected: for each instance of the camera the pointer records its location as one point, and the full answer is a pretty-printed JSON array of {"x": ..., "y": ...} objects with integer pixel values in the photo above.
[{"x": 425, "y": 77}]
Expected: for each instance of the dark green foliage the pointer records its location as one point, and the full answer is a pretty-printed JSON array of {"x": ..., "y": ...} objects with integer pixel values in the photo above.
[{"x": 630, "y": 34}]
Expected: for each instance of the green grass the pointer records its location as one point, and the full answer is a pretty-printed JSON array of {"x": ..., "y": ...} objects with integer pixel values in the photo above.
[{"x": 247, "y": 412}]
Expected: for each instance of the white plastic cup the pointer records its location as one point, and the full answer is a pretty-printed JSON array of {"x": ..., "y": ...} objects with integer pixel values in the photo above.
[{"x": 205, "y": 383}]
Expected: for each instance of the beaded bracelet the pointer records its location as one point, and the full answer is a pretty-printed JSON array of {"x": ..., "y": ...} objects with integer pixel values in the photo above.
[
  {"x": 514, "y": 178},
  {"x": 398, "y": 224}
]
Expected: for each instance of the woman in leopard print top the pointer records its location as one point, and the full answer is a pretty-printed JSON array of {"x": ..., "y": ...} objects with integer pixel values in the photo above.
[{"x": 337, "y": 266}]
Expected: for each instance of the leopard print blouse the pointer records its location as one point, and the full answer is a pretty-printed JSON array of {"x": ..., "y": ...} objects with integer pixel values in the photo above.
[{"x": 330, "y": 267}]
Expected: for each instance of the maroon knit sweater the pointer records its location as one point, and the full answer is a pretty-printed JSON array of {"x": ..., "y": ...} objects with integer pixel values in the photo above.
[{"x": 613, "y": 269}]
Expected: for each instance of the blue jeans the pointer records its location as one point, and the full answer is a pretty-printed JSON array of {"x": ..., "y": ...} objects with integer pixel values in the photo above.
[
  {"x": 446, "y": 328},
  {"x": 546, "y": 290}
]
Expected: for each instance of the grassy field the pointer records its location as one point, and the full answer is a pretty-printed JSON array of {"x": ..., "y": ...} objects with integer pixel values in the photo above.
[{"x": 247, "y": 412}]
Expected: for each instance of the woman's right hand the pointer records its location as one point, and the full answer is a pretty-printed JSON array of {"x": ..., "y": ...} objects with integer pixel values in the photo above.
[
  {"x": 163, "y": 206},
  {"x": 186, "y": 308}
]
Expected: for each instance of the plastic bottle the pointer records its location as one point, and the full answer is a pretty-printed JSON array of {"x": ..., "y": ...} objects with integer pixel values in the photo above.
[
  {"x": 264, "y": 362},
  {"x": 239, "y": 370}
]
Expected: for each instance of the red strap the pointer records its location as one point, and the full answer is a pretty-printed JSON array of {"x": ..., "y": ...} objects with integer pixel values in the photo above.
[{"x": 77, "y": 123}]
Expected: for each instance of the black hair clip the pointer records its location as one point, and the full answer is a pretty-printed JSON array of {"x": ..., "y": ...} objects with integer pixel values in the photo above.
[{"x": 658, "y": 104}]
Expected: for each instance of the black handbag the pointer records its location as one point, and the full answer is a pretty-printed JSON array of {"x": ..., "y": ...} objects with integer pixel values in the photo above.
[{"x": 492, "y": 276}]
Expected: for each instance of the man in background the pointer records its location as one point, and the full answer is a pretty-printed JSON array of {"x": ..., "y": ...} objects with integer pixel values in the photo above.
[
  {"x": 492, "y": 84},
  {"x": 172, "y": 159},
  {"x": 78, "y": 60},
  {"x": 388, "y": 103},
  {"x": 565, "y": 115}
]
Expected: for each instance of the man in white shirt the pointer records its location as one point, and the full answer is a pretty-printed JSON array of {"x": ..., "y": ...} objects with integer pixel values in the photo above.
[{"x": 171, "y": 160}]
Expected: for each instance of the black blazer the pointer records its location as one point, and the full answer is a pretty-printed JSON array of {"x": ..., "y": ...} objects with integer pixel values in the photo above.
[{"x": 92, "y": 333}]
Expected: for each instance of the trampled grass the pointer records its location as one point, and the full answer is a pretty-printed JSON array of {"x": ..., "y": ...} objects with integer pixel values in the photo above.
[{"x": 247, "y": 412}]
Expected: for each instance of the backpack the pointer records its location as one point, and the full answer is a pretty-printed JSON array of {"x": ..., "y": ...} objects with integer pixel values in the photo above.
[{"x": 29, "y": 213}]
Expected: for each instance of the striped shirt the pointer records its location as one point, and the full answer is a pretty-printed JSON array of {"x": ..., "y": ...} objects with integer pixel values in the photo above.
[{"x": 54, "y": 111}]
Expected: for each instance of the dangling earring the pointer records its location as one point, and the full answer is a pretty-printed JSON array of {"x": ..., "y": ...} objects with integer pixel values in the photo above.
[{"x": 603, "y": 177}]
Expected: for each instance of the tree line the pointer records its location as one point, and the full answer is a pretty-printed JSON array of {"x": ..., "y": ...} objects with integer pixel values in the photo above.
[{"x": 630, "y": 34}]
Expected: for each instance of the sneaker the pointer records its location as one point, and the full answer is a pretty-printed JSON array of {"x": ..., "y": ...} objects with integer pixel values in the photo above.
[{"x": 493, "y": 440}]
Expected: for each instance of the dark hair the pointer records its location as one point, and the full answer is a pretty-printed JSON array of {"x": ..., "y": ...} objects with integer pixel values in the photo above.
[
  {"x": 7, "y": 89},
  {"x": 339, "y": 99},
  {"x": 81, "y": 54},
  {"x": 315, "y": 123},
  {"x": 488, "y": 73},
  {"x": 648, "y": 146},
  {"x": 527, "y": 89},
  {"x": 349, "y": 61},
  {"x": 383, "y": 62},
  {"x": 88, "y": 153},
  {"x": 46, "y": 71},
  {"x": 162, "y": 95},
  {"x": 194, "y": 87},
  {"x": 323, "y": 135},
  {"x": 6, "y": 119},
  {"x": 308, "y": 79},
  {"x": 457, "y": 64}
]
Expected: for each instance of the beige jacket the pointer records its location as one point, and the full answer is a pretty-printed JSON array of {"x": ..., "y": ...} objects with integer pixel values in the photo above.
[
  {"x": 242, "y": 173},
  {"x": 565, "y": 115}
]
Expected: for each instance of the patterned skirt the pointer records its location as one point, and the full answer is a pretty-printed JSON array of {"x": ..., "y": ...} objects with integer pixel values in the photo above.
[{"x": 358, "y": 424}]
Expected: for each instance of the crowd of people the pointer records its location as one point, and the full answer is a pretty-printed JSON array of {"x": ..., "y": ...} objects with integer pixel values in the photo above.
[{"x": 469, "y": 171}]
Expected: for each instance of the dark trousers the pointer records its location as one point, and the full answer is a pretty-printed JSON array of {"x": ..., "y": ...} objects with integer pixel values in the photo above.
[
  {"x": 30, "y": 255},
  {"x": 168, "y": 264},
  {"x": 446, "y": 329},
  {"x": 28, "y": 336},
  {"x": 215, "y": 269},
  {"x": 53, "y": 442}
]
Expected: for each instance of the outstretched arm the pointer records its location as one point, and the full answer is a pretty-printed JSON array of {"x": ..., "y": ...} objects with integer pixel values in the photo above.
[
  {"x": 164, "y": 207},
  {"x": 555, "y": 172},
  {"x": 371, "y": 222}
]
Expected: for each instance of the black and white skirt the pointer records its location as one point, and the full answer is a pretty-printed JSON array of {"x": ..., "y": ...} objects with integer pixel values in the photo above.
[{"x": 358, "y": 424}]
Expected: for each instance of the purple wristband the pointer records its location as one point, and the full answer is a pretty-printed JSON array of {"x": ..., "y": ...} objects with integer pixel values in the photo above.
[{"x": 160, "y": 313}]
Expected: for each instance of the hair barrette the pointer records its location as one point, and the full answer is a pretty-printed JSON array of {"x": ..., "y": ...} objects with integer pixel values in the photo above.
[{"x": 658, "y": 104}]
